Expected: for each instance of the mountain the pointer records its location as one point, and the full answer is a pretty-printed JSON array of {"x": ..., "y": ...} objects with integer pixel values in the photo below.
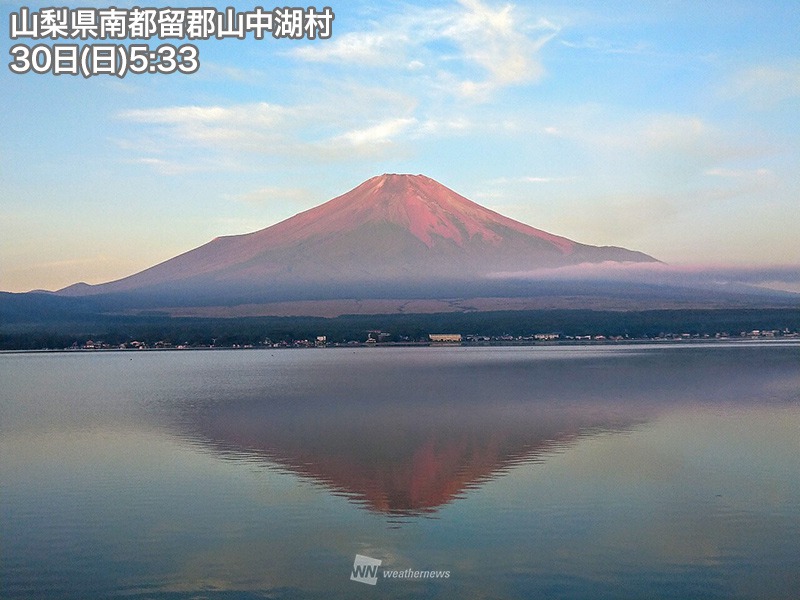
[{"x": 391, "y": 231}]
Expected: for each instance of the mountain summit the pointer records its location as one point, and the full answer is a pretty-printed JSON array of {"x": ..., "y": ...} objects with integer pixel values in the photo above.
[{"x": 391, "y": 228}]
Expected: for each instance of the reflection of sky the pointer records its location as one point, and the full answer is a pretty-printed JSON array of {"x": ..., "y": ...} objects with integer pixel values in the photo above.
[
  {"x": 694, "y": 489},
  {"x": 701, "y": 500}
]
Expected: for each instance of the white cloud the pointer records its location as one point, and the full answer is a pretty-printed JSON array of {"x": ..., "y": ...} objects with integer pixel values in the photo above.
[
  {"x": 229, "y": 134},
  {"x": 214, "y": 125},
  {"x": 326, "y": 132},
  {"x": 493, "y": 39},
  {"x": 379, "y": 133},
  {"x": 674, "y": 131},
  {"x": 212, "y": 71},
  {"x": 657, "y": 132},
  {"x": 530, "y": 179},
  {"x": 167, "y": 167},
  {"x": 446, "y": 125},
  {"x": 194, "y": 137},
  {"x": 739, "y": 173},
  {"x": 546, "y": 179},
  {"x": 180, "y": 131},
  {"x": 488, "y": 46},
  {"x": 765, "y": 86},
  {"x": 671, "y": 147},
  {"x": 603, "y": 46},
  {"x": 363, "y": 48}
]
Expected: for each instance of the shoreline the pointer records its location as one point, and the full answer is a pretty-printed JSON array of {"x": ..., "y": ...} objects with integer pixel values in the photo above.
[{"x": 792, "y": 339}]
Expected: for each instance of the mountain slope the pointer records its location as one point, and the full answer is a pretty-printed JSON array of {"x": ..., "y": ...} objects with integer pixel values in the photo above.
[{"x": 389, "y": 228}]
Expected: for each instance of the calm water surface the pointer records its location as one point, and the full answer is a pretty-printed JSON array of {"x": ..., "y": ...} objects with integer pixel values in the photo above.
[{"x": 561, "y": 472}]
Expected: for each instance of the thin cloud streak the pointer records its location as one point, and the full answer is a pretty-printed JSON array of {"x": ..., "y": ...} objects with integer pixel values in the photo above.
[{"x": 782, "y": 277}]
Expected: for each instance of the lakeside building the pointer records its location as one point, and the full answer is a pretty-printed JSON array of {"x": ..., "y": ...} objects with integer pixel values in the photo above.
[{"x": 445, "y": 338}]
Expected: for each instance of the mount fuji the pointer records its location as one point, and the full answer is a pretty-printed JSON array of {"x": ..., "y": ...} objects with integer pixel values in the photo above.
[{"x": 392, "y": 232}]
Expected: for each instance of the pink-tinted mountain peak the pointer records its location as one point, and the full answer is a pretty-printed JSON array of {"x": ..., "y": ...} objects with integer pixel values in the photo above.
[{"x": 421, "y": 205}]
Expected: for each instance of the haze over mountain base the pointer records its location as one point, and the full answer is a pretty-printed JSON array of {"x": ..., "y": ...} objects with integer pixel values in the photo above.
[{"x": 387, "y": 306}]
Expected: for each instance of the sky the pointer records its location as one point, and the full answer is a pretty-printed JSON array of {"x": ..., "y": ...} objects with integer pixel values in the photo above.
[{"x": 668, "y": 127}]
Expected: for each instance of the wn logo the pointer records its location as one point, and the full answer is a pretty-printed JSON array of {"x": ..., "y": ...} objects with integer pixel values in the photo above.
[{"x": 365, "y": 570}]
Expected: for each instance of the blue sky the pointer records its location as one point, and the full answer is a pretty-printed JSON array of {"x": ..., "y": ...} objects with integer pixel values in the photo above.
[{"x": 668, "y": 127}]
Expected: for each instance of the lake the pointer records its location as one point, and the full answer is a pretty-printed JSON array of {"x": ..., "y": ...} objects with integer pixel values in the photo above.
[{"x": 619, "y": 471}]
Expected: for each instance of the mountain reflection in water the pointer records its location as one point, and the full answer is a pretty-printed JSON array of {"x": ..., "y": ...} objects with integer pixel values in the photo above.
[
  {"x": 400, "y": 462},
  {"x": 407, "y": 436}
]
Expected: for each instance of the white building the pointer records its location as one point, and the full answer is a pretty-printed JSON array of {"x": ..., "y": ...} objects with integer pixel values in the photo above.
[{"x": 445, "y": 338}]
